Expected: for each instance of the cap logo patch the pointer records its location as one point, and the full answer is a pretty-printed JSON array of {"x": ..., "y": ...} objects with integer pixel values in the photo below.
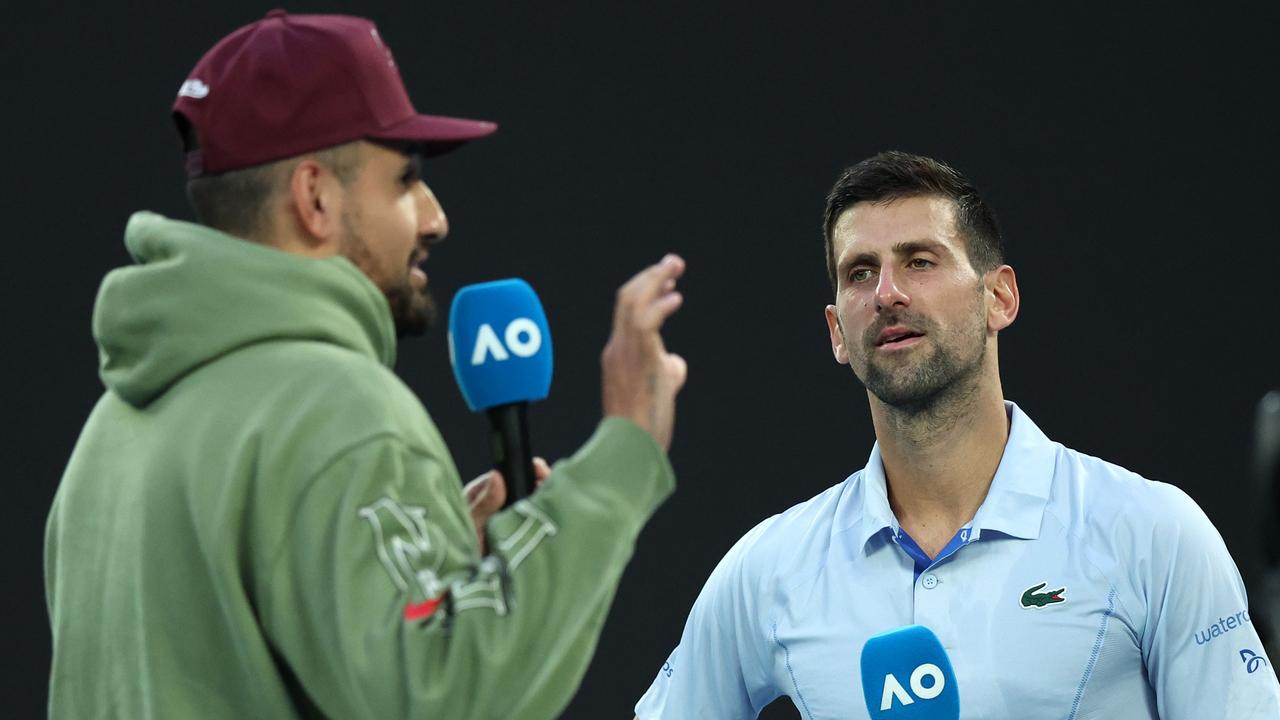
[{"x": 193, "y": 89}]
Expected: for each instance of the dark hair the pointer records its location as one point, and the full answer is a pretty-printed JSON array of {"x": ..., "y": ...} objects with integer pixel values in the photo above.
[
  {"x": 895, "y": 175},
  {"x": 237, "y": 201}
]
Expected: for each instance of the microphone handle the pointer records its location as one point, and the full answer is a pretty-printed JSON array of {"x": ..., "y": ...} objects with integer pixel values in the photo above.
[{"x": 512, "y": 454}]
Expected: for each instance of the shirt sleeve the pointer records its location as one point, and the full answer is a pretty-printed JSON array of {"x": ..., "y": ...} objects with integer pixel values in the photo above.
[
  {"x": 381, "y": 606},
  {"x": 721, "y": 668},
  {"x": 1203, "y": 655}
]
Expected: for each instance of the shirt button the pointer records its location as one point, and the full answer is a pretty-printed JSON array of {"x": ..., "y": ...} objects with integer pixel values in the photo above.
[{"x": 929, "y": 581}]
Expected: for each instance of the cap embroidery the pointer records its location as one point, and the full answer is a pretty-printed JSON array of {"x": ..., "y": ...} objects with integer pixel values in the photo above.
[
  {"x": 193, "y": 89},
  {"x": 391, "y": 62}
]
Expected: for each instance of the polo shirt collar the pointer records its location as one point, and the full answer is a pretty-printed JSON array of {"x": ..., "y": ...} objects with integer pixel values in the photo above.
[
  {"x": 1014, "y": 505},
  {"x": 1020, "y": 490},
  {"x": 869, "y": 511}
]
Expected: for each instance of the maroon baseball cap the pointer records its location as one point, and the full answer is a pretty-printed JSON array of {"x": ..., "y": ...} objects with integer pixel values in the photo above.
[{"x": 291, "y": 84}]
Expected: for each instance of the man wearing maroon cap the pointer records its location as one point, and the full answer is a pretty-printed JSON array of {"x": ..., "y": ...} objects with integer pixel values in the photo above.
[{"x": 259, "y": 518}]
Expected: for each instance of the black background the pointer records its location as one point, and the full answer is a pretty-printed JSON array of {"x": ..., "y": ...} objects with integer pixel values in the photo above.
[{"x": 1131, "y": 156}]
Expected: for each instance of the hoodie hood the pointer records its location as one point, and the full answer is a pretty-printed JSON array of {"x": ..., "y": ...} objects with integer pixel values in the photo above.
[{"x": 196, "y": 294}]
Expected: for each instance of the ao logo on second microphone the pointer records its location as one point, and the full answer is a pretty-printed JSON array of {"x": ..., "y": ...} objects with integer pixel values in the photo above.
[
  {"x": 895, "y": 692},
  {"x": 522, "y": 337}
]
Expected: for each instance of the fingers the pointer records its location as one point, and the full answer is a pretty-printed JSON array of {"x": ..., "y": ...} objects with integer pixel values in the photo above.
[
  {"x": 541, "y": 471},
  {"x": 476, "y": 487},
  {"x": 651, "y": 281},
  {"x": 655, "y": 313},
  {"x": 640, "y": 378},
  {"x": 677, "y": 369},
  {"x": 656, "y": 279},
  {"x": 485, "y": 496},
  {"x": 655, "y": 282}
]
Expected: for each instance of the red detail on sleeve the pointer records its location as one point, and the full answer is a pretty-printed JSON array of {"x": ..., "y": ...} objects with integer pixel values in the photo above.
[{"x": 422, "y": 610}]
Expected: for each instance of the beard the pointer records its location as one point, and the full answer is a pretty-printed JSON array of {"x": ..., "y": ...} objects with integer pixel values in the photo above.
[
  {"x": 413, "y": 311},
  {"x": 929, "y": 377}
]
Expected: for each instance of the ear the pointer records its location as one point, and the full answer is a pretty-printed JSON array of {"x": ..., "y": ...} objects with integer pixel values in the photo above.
[
  {"x": 315, "y": 201},
  {"x": 1002, "y": 286},
  {"x": 838, "y": 348}
]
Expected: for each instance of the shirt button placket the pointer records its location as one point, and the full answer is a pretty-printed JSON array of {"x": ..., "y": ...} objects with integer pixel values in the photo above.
[{"x": 931, "y": 609}]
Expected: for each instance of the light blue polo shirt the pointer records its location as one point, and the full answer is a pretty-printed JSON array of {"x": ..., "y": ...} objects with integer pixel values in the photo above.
[{"x": 1079, "y": 590}]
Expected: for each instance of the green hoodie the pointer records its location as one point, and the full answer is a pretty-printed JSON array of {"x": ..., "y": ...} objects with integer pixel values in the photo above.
[{"x": 260, "y": 520}]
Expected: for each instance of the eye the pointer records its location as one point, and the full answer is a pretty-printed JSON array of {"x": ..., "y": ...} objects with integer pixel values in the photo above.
[
  {"x": 858, "y": 275},
  {"x": 919, "y": 263},
  {"x": 412, "y": 171}
]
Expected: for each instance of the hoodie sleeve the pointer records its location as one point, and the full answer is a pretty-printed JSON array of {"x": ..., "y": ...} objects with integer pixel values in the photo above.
[{"x": 381, "y": 606}]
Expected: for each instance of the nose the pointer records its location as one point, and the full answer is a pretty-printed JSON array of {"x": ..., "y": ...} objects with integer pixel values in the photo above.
[
  {"x": 889, "y": 293},
  {"x": 432, "y": 223}
]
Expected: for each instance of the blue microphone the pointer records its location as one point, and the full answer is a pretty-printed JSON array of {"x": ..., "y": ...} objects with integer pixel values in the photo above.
[
  {"x": 500, "y": 348},
  {"x": 906, "y": 675}
]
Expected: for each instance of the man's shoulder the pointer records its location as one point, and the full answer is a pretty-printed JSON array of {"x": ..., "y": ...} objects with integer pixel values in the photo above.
[
  {"x": 315, "y": 356},
  {"x": 318, "y": 394},
  {"x": 321, "y": 369},
  {"x": 1090, "y": 492},
  {"x": 1109, "y": 483},
  {"x": 798, "y": 534},
  {"x": 1139, "y": 533},
  {"x": 813, "y": 516}
]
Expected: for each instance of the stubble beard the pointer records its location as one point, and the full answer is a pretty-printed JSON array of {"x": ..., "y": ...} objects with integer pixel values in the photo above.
[
  {"x": 413, "y": 311},
  {"x": 936, "y": 384}
]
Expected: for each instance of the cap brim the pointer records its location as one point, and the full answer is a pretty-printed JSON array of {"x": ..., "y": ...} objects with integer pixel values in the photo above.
[{"x": 436, "y": 134}]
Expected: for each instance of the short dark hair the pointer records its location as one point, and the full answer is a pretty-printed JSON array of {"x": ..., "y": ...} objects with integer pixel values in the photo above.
[
  {"x": 894, "y": 175},
  {"x": 237, "y": 201}
]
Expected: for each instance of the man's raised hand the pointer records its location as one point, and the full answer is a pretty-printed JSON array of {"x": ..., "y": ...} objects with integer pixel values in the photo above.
[{"x": 641, "y": 378}]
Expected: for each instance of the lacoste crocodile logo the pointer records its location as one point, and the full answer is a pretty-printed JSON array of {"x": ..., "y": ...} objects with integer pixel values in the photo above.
[{"x": 1032, "y": 598}]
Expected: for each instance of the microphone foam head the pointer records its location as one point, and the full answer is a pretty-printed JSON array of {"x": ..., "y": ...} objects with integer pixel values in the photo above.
[
  {"x": 499, "y": 344},
  {"x": 906, "y": 675}
]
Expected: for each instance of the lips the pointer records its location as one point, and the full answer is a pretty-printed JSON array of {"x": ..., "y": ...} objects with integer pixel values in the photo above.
[
  {"x": 895, "y": 334},
  {"x": 416, "y": 275}
]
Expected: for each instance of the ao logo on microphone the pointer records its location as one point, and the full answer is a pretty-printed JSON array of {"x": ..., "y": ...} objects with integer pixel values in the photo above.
[
  {"x": 499, "y": 344},
  {"x": 906, "y": 675},
  {"x": 927, "y": 682},
  {"x": 523, "y": 338}
]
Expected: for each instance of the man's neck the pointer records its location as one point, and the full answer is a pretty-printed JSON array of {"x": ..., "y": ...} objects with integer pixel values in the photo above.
[{"x": 939, "y": 461}]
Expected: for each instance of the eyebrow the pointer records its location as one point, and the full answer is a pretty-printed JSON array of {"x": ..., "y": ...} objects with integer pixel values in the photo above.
[{"x": 906, "y": 248}]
